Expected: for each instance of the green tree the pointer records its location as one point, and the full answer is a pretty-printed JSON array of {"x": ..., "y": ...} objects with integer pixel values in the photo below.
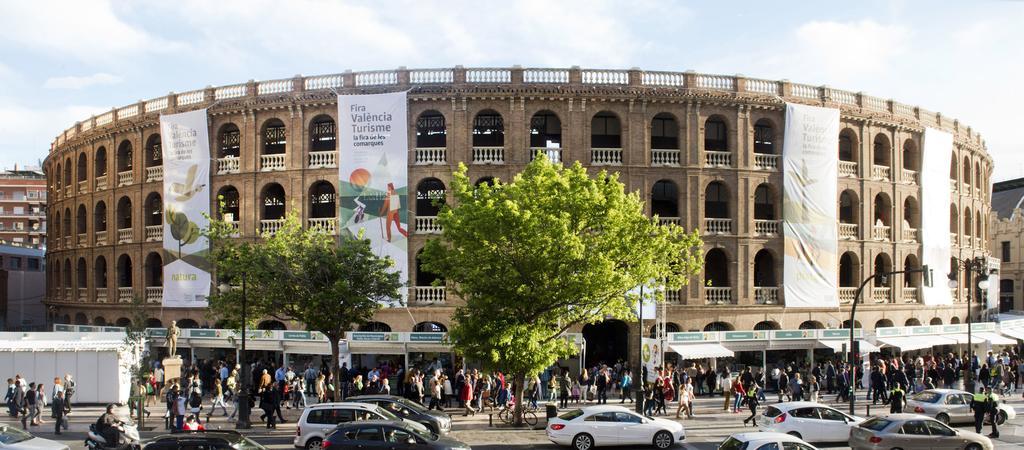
[
  {"x": 303, "y": 275},
  {"x": 549, "y": 251}
]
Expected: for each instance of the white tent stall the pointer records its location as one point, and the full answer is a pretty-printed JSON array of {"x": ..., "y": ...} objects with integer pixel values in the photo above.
[{"x": 98, "y": 362}]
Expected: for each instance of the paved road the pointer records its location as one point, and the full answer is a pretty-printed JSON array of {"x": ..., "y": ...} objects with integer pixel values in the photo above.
[{"x": 704, "y": 432}]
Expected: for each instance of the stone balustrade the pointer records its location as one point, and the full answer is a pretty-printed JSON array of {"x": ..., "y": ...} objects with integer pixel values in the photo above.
[
  {"x": 272, "y": 162},
  {"x": 431, "y": 155},
  {"x": 717, "y": 226},
  {"x": 228, "y": 165},
  {"x": 606, "y": 156},
  {"x": 322, "y": 160},
  {"x": 718, "y": 296},
  {"x": 488, "y": 155},
  {"x": 665, "y": 157}
]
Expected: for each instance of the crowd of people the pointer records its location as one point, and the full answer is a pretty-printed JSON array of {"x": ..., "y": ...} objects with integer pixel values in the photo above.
[{"x": 28, "y": 400}]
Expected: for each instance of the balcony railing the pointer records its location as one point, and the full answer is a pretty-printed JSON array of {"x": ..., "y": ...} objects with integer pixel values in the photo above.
[
  {"x": 977, "y": 242},
  {"x": 83, "y": 187},
  {"x": 125, "y": 235},
  {"x": 272, "y": 162},
  {"x": 328, "y": 224},
  {"x": 154, "y": 294},
  {"x": 847, "y": 295},
  {"x": 881, "y": 233},
  {"x": 81, "y": 239},
  {"x": 270, "y": 226},
  {"x": 101, "y": 182},
  {"x": 67, "y": 241},
  {"x": 431, "y": 155},
  {"x": 880, "y": 294},
  {"x": 952, "y": 185},
  {"x": 717, "y": 159},
  {"x": 125, "y": 178},
  {"x": 673, "y": 296},
  {"x": 553, "y": 154},
  {"x": 953, "y": 239},
  {"x": 488, "y": 155},
  {"x": 909, "y": 176},
  {"x": 766, "y": 295},
  {"x": 155, "y": 173},
  {"x": 965, "y": 189},
  {"x": 763, "y": 227},
  {"x": 427, "y": 225},
  {"x": 848, "y": 169},
  {"x": 909, "y": 295},
  {"x": 717, "y": 226},
  {"x": 764, "y": 161},
  {"x": 954, "y": 293},
  {"x": 670, "y": 220},
  {"x": 848, "y": 231},
  {"x": 321, "y": 160},
  {"x": 101, "y": 237},
  {"x": 606, "y": 156},
  {"x": 101, "y": 295},
  {"x": 665, "y": 157},
  {"x": 228, "y": 165},
  {"x": 67, "y": 191},
  {"x": 428, "y": 295},
  {"x": 236, "y": 225},
  {"x": 880, "y": 172},
  {"x": 718, "y": 295},
  {"x": 69, "y": 294},
  {"x": 909, "y": 235},
  {"x": 154, "y": 233},
  {"x": 125, "y": 294}
]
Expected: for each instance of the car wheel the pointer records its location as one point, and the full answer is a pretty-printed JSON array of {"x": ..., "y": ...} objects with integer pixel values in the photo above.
[
  {"x": 973, "y": 447},
  {"x": 662, "y": 439},
  {"x": 944, "y": 418},
  {"x": 314, "y": 444},
  {"x": 583, "y": 441},
  {"x": 795, "y": 434},
  {"x": 1001, "y": 418}
]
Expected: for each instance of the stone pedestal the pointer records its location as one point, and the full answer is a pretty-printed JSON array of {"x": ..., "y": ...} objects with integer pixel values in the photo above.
[{"x": 172, "y": 369}]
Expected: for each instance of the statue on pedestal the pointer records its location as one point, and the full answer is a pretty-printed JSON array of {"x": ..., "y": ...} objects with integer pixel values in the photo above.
[{"x": 172, "y": 339}]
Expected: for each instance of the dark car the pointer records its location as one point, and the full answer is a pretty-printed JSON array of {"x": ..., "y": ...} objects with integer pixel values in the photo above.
[
  {"x": 385, "y": 434},
  {"x": 437, "y": 421},
  {"x": 202, "y": 440}
]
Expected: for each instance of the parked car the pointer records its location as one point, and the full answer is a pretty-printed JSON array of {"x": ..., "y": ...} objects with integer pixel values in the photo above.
[
  {"x": 394, "y": 434},
  {"x": 606, "y": 425},
  {"x": 220, "y": 440},
  {"x": 812, "y": 422},
  {"x": 436, "y": 421},
  {"x": 12, "y": 438},
  {"x": 913, "y": 431},
  {"x": 951, "y": 406},
  {"x": 317, "y": 421},
  {"x": 764, "y": 440}
]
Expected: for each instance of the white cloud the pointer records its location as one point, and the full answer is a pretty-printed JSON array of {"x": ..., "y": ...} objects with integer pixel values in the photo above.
[
  {"x": 73, "y": 82},
  {"x": 850, "y": 49},
  {"x": 33, "y": 129}
]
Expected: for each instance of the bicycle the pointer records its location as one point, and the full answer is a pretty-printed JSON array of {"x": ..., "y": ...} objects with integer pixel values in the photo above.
[{"x": 507, "y": 414}]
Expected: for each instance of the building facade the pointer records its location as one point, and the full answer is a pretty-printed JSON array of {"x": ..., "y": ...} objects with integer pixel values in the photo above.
[
  {"x": 22, "y": 204},
  {"x": 703, "y": 149},
  {"x": 22, "y": 287},
  {"x": 1007, "y": 242}
]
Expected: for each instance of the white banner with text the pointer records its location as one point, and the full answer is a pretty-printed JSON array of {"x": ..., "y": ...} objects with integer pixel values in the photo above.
[{"x": 935, "y": 245}]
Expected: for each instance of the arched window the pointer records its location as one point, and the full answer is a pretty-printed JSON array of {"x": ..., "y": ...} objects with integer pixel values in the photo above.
[
  {"x": 99, "y": 272},
  {"x": 911, "y": 217},
  {"x": 124, "y": 271},
  {"x": 81, "y": 277},
  {"x": 605, "y": 131},
  {"x": 912, "y": 279},
  {"x": 430, "y": 197},
  {"x": 153, "y": 322},
  {"x": 57, "y": 224},
  {"x": 968, "y": 222},
  {"x": 274, "y": 137},
  {"x": 848, "y": 207},
  {"x": 99, "y": 321},
  {"x": 764, "y": 137},
  {"x": 488, "y": 180},
  {"x": 883, "y": 323},
  {"x": 545, "y": 130},
  {"x": 154, "y": 210},
  {"x": 187, "y": 324},
  {"x": 882, "y": 151},
  {"x": 952, "y": 168},
  {"x": 716, "y": 135},
  {"x": 849, "y": 268},
  {"x": 911, "y": 158},
  {"x": 124, "y": 213},
  {"x": 153, "y": 272},
  {"x": 124, "y": 156},
  {"x": 58, "y": 177},
  {"x": 431, "y": 131},
  {"x": 669, "y": 328},
  {"x": 811, "y": 325},
  {"x": 716, "y": 200},
  {"x": 430, "y": 327},
  {"x": 81, "y": 319},
  {"x": 488, "y": 129},
  {"x": 966, "y": 171},
  {"x": 935, "y": 321},
  {"x": 99, "y": 222},
  {"x": 154, "y": 153},
  {"x": 81, "y": 220},
  {"x": 766, "y": 325},
  {"x": 83, "y": 167},
  {"x": 665, "y": 199},
  {"x": 67, "y": 222},
  {"x": 883, "y": 265},
  {"x": 954, "y": 321},
  {"x": 764, "y": 269},
  {"x": 67, "y": 273},
  {"x": 229, "y": 141},
  {"x": 716, "y": 268},
  {"x": 230, "y": 211},
  {"x": 100, "y": 162},
  {"x": 323, "y": 134},
  {"x": 664, "y": 132},
  {"x": 912, "y": 322},
  {"x": 271, "y": 325},
  {"x": 978, "y": 223},
  {"x": 322, "y": 202},
  {"x": 123, "y": 322},
  {"x": 375, "y": 327},
  {"x": 977, "y": 175},
  {"x": 718, "y": 326},
  {"x": 425, "y": 277},
  {"x": 67, "y": 172},
  {"x": 954, "y": 219},
  {"x": 764, "y": 203},
  {"x": 883, "y": 210},
  {"x": 273, "y": 201},
  {"x": 856, "y": 324}
]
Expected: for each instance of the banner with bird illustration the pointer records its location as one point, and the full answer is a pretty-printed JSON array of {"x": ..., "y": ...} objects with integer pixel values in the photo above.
[
  {"x": 185, "y": 145},
  {"x": 810, "y": 162},
  {"x": 373, "y": 161}
]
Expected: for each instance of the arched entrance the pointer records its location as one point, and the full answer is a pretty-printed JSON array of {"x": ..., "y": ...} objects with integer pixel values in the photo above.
[{"x": 607, "y": 342}]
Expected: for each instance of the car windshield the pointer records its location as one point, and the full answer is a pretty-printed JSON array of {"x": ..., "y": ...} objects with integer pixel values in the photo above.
[
  {"x": 248, "y": 444},
  {"x": 732, "y": 444},
  {"x": 772, "y": 411},
  {"x": 423, "y": 434},
  {"x": 875, "y": 424},
  {"x": 411, "y": 405},
  {"x": 387, "y": 414},
  {"x": 926, "y": 397},
  {"x": 12, "y": 435},
  {"x": 569, "y": 415}
]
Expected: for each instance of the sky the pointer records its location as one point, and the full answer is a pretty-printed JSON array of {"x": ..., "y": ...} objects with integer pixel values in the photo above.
[{"x": 63, "y": 61}]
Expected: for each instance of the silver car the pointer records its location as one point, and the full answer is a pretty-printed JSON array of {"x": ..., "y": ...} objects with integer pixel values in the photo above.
[
  {"x": 951, "y": 406},
  {"x": 913, "y": 431}
]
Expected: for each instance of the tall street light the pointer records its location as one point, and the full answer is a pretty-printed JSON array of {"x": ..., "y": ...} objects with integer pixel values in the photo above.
[
  {"x": 243, "y": 422},
  {"x": 974, "y": 267}
]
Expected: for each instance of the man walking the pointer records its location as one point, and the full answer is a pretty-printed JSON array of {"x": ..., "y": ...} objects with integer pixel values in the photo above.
[
  {"x": 57, "y": 409},
  {"x": 69, "y": 392}
]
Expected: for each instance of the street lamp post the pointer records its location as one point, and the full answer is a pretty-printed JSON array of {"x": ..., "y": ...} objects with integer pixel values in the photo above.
[
  {"x": 640, "y": 375},
  {"x": 974, "y": 266},
  {"x": 243, "y": 422}
]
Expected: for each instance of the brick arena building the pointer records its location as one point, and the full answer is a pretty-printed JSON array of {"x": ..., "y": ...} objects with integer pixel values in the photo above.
[{"x": 703, "y": 149}]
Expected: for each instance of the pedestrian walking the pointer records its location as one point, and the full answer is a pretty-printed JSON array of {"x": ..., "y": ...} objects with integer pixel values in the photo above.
[
  {"x": 218, "y": 400},
  {"x": 69, "y": 391},
  {"x": 897, "y": 399},
  {"x": 626, "y": 385},
  {"x": 752, "y": 403},
  {"x": 57, "y": 411}
]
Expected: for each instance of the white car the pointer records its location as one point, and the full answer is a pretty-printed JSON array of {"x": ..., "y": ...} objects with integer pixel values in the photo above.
[
  {"x": 951, "y": 406},
  {"x": 605, "y": 425},
  {"x": 812, "y": 422},
  {"x": 12, "y": 438},
  {"x": 317, "y": 421},
  {"x": 764, "y": 441}
]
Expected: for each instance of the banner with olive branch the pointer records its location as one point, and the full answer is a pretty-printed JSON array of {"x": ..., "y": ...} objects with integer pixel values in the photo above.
[{"x": 185, "y": 144}]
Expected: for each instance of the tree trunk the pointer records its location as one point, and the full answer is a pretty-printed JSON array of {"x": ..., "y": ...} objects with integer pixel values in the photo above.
[
  {"x": 520, "y": 380},
  {"x": 335, "y": 365}
]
